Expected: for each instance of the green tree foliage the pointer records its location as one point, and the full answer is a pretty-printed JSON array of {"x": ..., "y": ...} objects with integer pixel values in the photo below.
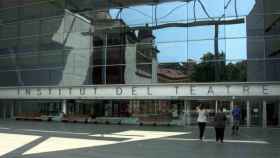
[
  {"x": 237, "y": 72},
  {"x": 205, "y": 70}
]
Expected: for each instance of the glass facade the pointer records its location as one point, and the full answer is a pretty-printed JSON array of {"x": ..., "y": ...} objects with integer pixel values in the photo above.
[
  {"x": 67, "y": 43},
  {"x": 91, "y": 42}
]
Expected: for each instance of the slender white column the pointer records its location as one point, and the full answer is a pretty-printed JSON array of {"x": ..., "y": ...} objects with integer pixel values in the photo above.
[
  {"x": 264, "y": 115},
  {"x": 187, "y": 112},
  {"x": 248, "y": 114},
  {"x": 216, "y": 106},
  {"x": 64, "y": 106},
  {"x": 231, "y": 108}
]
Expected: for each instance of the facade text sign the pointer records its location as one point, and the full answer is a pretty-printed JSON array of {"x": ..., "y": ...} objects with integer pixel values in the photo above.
[{"x": 141, "y": 91}]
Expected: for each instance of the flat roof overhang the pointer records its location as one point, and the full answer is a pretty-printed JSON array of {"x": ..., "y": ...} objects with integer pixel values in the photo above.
[{"x": 113, "y": 4}]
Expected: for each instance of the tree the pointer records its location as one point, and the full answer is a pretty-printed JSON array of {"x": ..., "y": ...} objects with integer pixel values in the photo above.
[
  {"x": 236, "y": 72},
  {"x": 205, "y": 71}
]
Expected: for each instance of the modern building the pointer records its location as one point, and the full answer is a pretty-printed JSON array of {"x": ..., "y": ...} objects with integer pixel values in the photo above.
[
  {"x": 263, "y": 47},
  {"x": 120, "y": 61},
  {"x": 263, "y": 43}
]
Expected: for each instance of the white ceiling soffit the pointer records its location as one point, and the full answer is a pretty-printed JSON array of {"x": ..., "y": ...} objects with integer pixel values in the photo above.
[{"x": 110, "y": 4}]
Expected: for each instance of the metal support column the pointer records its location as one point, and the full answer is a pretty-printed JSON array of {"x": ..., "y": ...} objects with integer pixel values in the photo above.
[
  {"x": 64, "y": 106},
  {"x": 105, "y": 58},
  {"x": 187, "y": 113},
  {"x": 248, "y": 114},
  {"x": 264, "y": 114},
  {"x": 216, "y": 106},
  {"x": 231, "y": 109}
]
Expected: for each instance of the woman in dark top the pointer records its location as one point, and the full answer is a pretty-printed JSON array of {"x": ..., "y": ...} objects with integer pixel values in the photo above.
[{"x": 220, "y": 125}]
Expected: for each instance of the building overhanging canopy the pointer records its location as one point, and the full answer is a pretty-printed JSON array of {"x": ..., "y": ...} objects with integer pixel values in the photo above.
[{"x": 112, "y": 4}]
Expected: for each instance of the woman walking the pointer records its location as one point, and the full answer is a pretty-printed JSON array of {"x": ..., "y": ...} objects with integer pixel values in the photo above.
[
  {"x": 202, "y": 120},
  {"x": 220, "y": 125}
]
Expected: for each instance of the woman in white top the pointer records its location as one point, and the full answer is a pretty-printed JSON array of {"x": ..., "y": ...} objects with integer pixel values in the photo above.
[{"x": 202, "y": 119}]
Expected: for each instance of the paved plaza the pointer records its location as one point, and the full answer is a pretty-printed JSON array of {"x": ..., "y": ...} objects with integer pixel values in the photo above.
[{"x": 21, "y": 139}]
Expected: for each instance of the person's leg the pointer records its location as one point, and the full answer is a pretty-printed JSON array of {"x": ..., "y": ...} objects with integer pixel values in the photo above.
[
  {"x": 217, "y": 134},
  {"x": 200, "y": 130},
  {"x": 203, "y": 129},
  {"x": 222, "y": 134},
  {"x": 237, "y": 128},
  {"x": 233, "y": 128}
]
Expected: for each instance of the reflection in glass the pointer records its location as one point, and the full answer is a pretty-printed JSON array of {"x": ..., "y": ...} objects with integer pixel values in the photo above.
[{"x": 98, "y": 42}]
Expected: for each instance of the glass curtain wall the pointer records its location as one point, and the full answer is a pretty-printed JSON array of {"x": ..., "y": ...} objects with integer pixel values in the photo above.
[
  {"x": 66, "y": 42},
  {"x": 91, "y": 42}
]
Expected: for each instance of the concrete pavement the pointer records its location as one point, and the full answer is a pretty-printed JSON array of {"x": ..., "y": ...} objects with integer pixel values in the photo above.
[{"x": 64, "y": 140}]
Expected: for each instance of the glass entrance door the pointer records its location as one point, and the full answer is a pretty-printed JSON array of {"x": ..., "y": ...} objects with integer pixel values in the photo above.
[
  {"x": 256, "y": 113},
  {"x": 272, "y": 114}
]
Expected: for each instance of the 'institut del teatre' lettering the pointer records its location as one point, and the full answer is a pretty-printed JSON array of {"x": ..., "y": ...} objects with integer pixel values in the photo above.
[{"x": 156, "y": 90}]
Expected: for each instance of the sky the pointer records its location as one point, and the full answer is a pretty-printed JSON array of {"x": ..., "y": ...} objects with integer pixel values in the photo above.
[{"x": 181, "y": 44}]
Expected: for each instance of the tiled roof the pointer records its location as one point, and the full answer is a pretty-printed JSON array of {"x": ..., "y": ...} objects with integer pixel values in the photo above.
[{"x": 171, "y": 73}]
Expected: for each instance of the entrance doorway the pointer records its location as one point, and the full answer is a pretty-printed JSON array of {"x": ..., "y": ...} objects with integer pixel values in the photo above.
[
  {"x": 256, "y": 113},
  {"x": 272, "y": 114}
]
